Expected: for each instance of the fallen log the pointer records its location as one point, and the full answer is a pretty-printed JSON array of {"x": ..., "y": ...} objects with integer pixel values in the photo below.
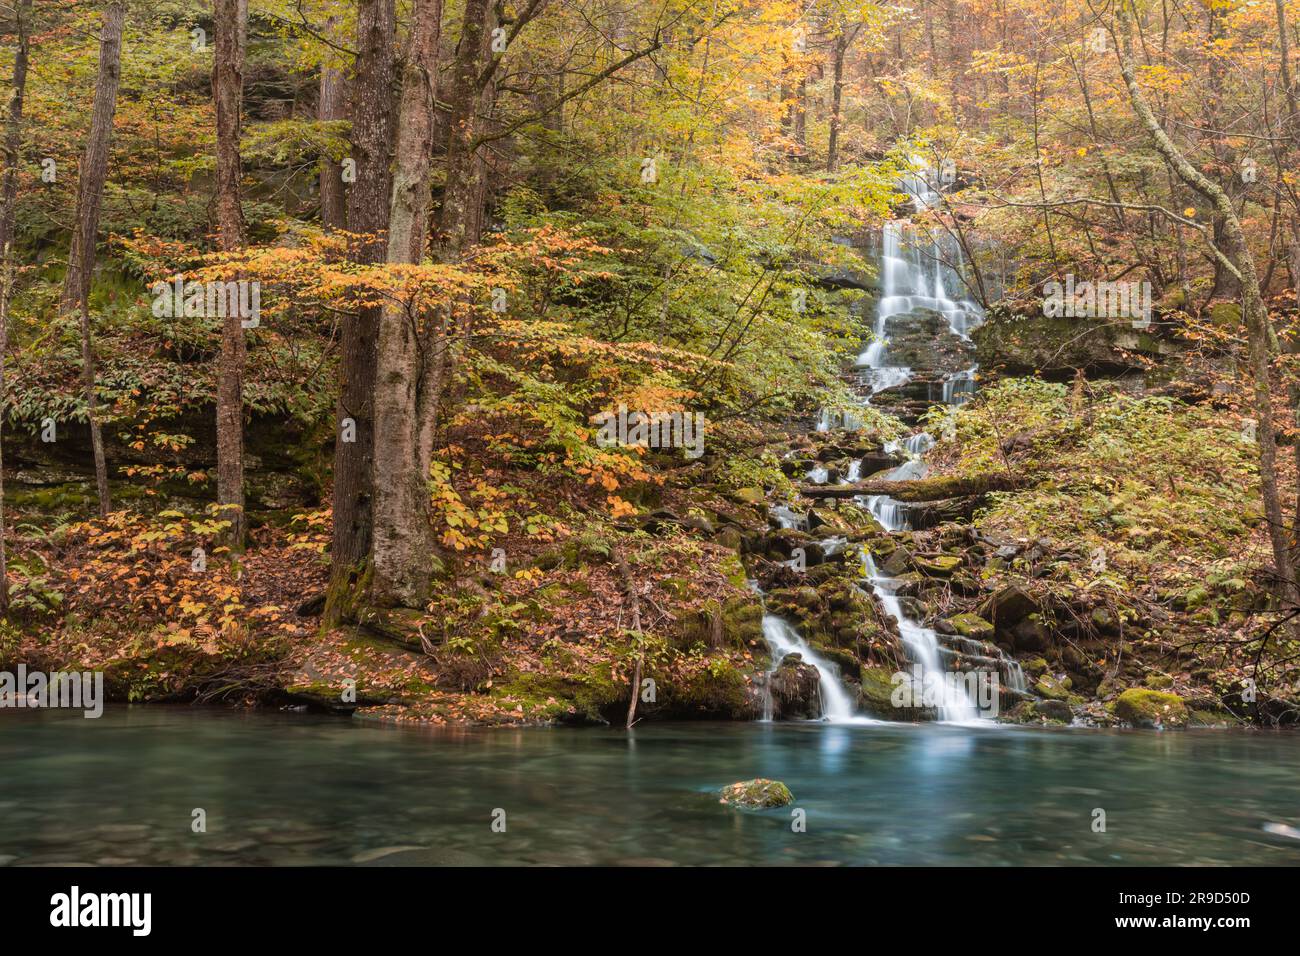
[
  {"x": 918, "y": 489},
  {"x": 930, "y": 514}
]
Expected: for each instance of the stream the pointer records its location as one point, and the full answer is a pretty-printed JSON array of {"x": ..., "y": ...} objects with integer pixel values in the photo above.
[{"x": 296, "y": 789}]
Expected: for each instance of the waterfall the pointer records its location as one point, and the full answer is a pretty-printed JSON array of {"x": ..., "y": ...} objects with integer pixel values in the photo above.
[
  {"x": 916, "y": 274},
  {"x": 917, "y": 271},
  {"x": 837, "y": 707}
]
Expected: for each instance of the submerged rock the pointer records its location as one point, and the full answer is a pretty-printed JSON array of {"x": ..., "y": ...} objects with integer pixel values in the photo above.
[{"x": 757, "y": 794}]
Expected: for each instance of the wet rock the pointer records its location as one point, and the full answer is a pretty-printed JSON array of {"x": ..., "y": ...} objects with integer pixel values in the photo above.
[
  {"x": 1029, "y": 635},
  {"x": 1053, "y": 710},
  {"x": 730, "y": 537},
  {"x": 898, "y": 562},
  {"x": 1052, "y": 687},
  {"x": 757, "y": 794},
  {"x": 907, "y": 584},
  {"x": 876, "y": 693},
  {"x": 796, "y": 690}
]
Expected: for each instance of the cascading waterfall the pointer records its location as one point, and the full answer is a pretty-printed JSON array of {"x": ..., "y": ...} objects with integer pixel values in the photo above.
[{"x": 917, "y": 272}]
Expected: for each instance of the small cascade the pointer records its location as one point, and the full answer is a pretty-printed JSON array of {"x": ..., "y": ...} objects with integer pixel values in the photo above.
[
  {"x": 921, "y": 272},
  {"x": 836, "y": 705},
  {"x": 922, "y": 645},
  {"x": 918, "y": 444},
  {"x": 788, "y": 518},
  {"x": 959, "y": 387},
  {"x": 920, "y": 276}
]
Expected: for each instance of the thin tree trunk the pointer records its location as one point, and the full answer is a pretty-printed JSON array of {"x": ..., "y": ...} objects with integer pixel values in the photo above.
[
  {"x": 8, "y": 199},
  {"x": 837, "y": 97},
  {"x": 403, "y": 535},
  {"x": 90, "y": 192},
  {"x": 367, "y": 214},
  {"x": 634, "y": 608},
  {"x": 1288, "y": 86},
  {"x": 231, "y": 25},
  {"x": 1256, "y": 314},
  {"x": 456, "y": 216},
  {"x": 331, "y": 106}
]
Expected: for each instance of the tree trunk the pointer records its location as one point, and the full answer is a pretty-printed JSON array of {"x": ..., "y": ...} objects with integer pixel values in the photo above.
[
  {"x": 837, "y": 98},
  {"x": 331, "y": 106},
  {"x": 411, "y": 348},
  {"x": 90, "y": 193},
  {"x": 230, "y": 19},
  {"x": 457, "y": 217},
  {"x": 367, "y": 215},
  {"x": 8, "y": 199},
  {"x": 1256, "y": 315}
]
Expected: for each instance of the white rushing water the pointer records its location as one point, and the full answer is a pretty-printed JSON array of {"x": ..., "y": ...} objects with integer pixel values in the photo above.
[
  {"x": 918, "y": 270},
  {"x": 837, "y": 706}
]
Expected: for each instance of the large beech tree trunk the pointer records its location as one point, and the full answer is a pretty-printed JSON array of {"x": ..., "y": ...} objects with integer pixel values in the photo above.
[
  {"x": 90, "y": 194},
  {"x": 231, "y": 25},
  {"x": 416, "y": 347},
  {"x": 367, "y": 215},
  {"x": 13, "y": 140},
  {"x": 412, "y": 347},
  {"x": 1256, "y": 314}
]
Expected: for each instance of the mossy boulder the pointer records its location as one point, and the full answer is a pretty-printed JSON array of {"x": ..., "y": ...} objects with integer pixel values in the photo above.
[
  {"x": 1158, "y": 681},
  {"x": 877, "y": 692},
  {"x": 1007, "y": 607},
  {"x": 1143, "y": 707},
  {"x": 939, "y": 565},
  {"x": 757, "y": 794},
  {"x": 1226, "y": 314},
  {"x": 1053, "y": 688},
  {"x": 970, "y": 625},
  {"x": 749, "y": 496}
]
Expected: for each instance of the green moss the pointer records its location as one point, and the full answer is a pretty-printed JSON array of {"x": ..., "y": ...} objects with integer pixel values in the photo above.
[
  {"x": 717, "y": 691},
  {"x": 586, "y": 697},
  {"x": 972, "y": 626},
  {"x": 1053, "y": 689},
  {"x": 1143, "y": 707},
  {"x": 1227, "y": 314},
  {"x": 877, "y": 690},
  {"x": 758, "y": 794},
  {"x": 939, "y": 566}
]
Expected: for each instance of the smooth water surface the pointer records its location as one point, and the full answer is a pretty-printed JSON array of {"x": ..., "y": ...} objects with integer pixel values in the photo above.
[{"x": 296, "y": 789}]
